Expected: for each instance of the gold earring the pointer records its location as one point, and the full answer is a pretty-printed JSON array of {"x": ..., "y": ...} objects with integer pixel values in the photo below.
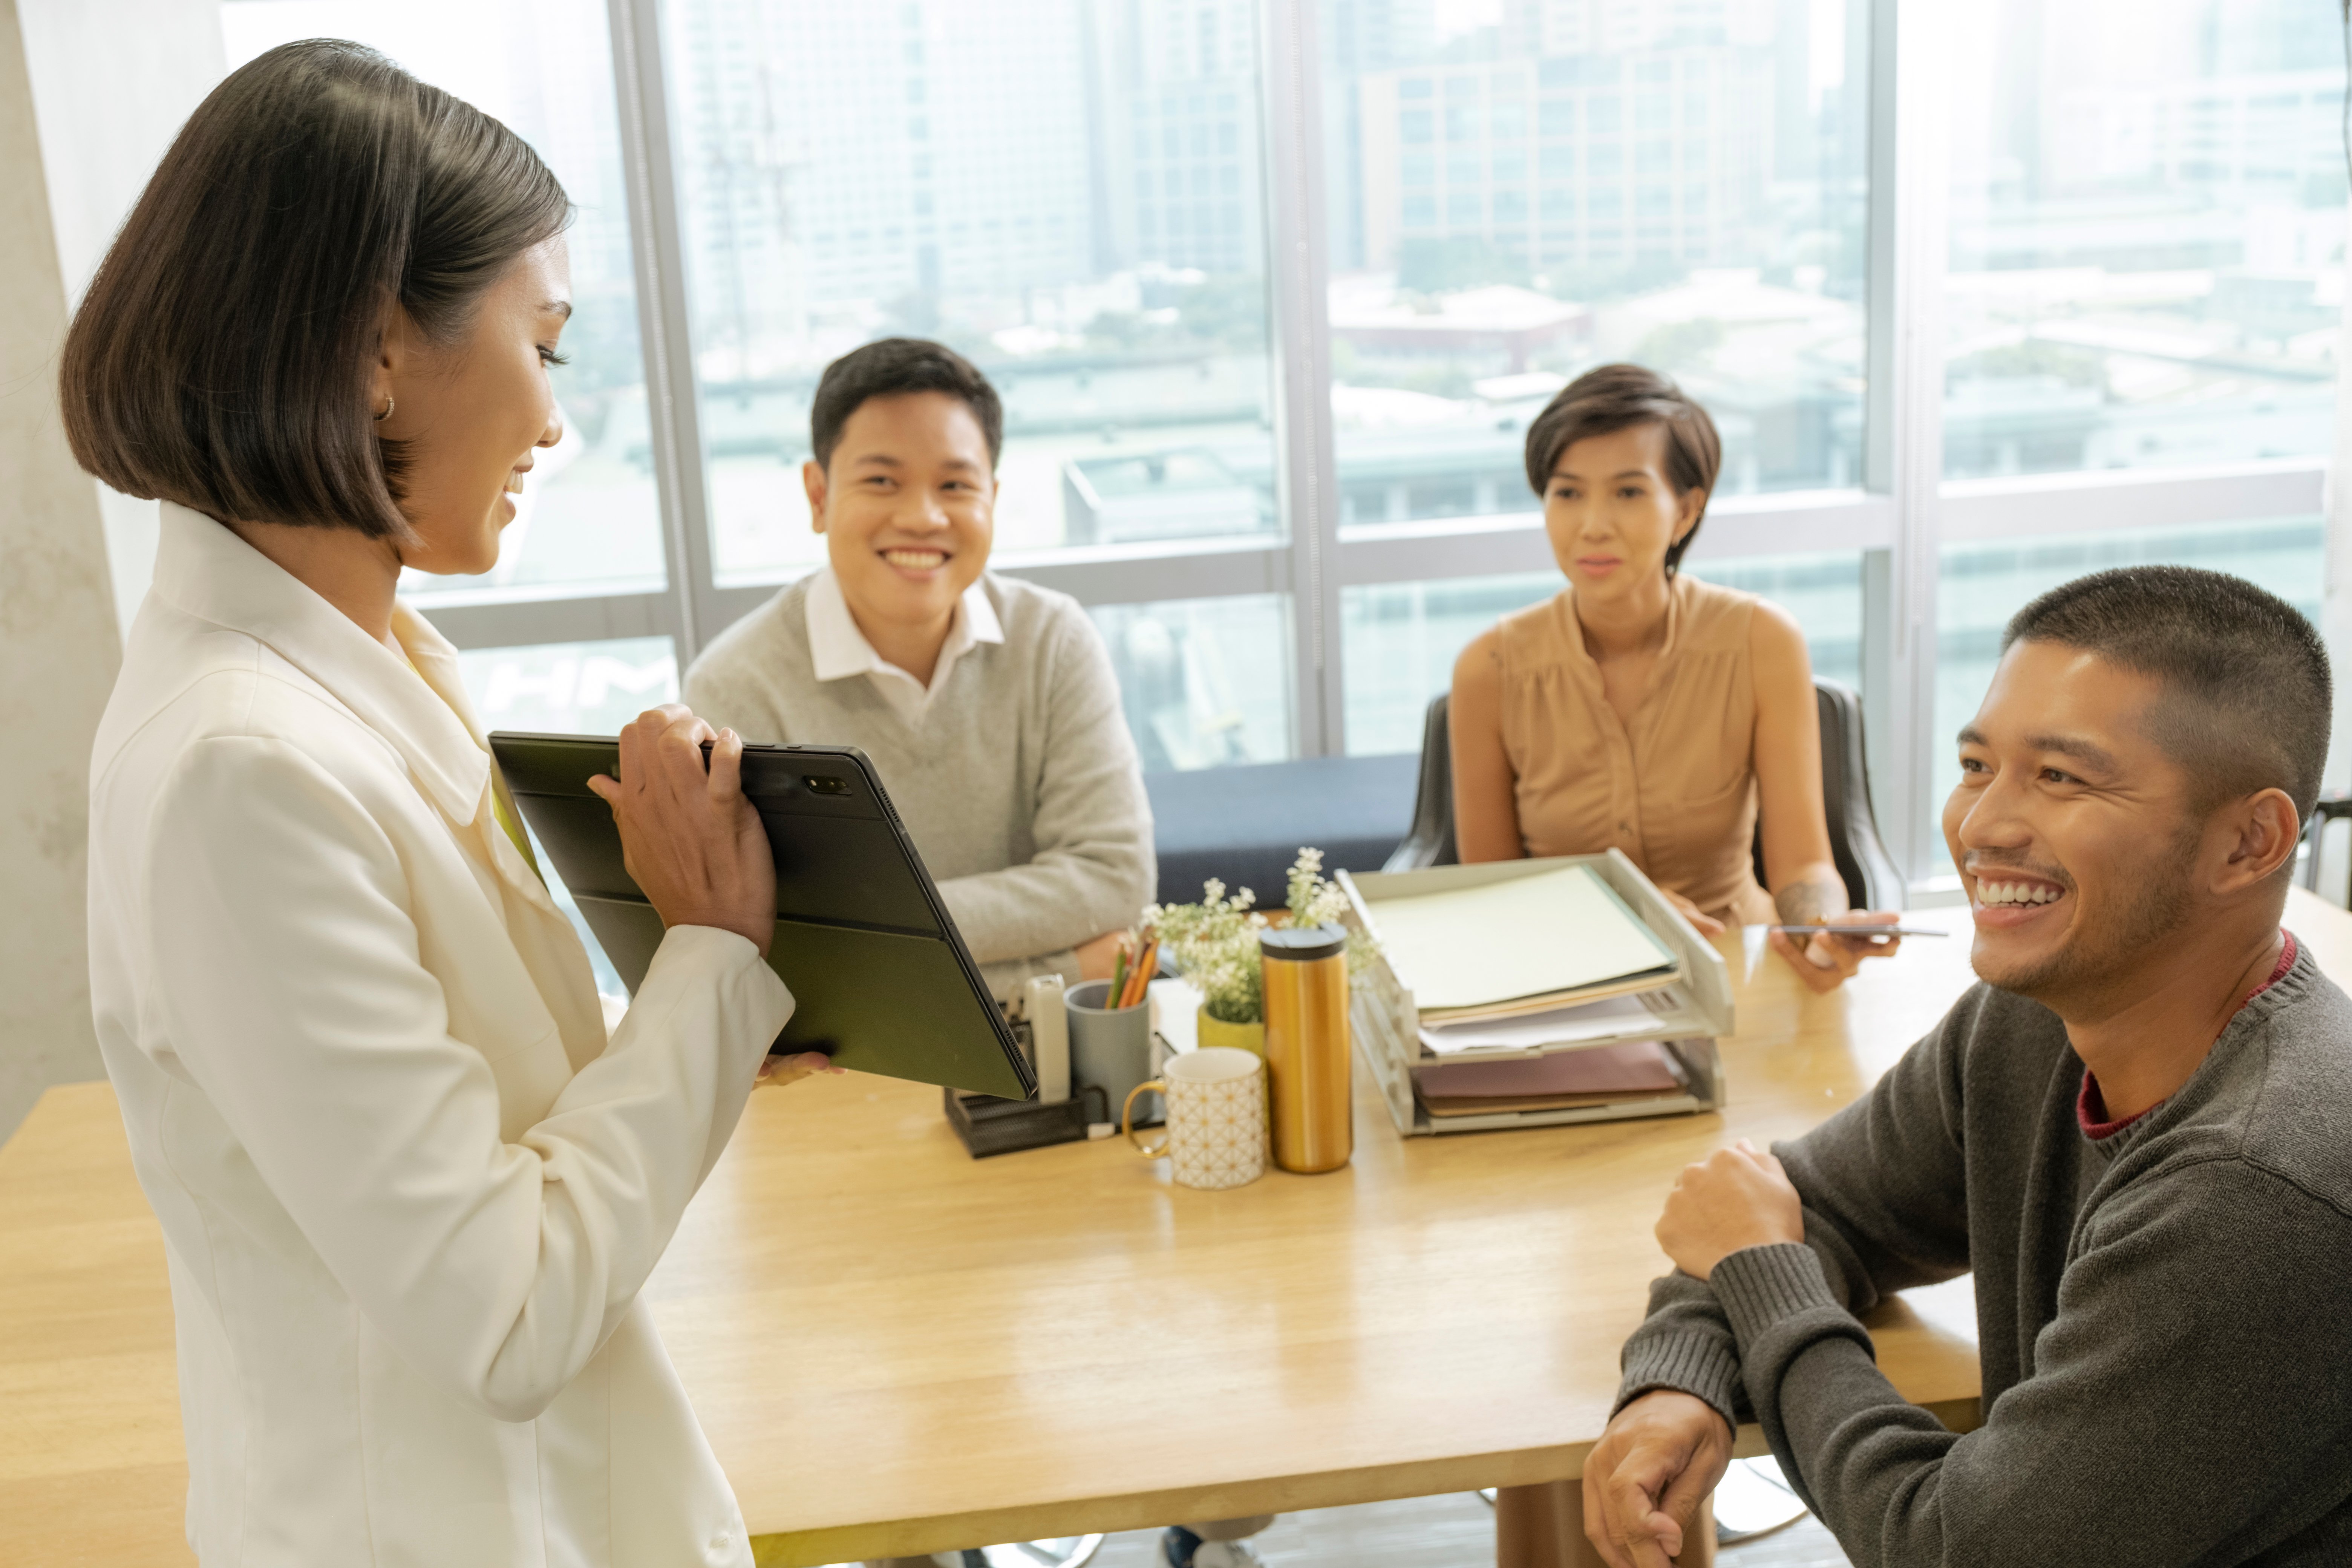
[{"x": 387, "y": 409}]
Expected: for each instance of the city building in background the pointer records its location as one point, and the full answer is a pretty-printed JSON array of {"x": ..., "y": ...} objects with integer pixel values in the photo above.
[
  {"x": 2148, "y": 222},
  {"x": 1678, "y": 184},
  {"x": 1067, "y": 192},
  {"x": 2140, "y": 221}
]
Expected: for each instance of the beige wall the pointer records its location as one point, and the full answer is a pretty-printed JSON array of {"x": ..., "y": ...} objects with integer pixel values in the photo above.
[
  {"x": 91, "y": 91},
  {"x": 59, "y": 645}
]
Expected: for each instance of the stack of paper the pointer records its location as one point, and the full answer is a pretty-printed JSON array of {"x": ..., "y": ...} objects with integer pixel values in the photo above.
[
  {"x": 1526, "y": 945},
  {"x": 1586, "y": 1023}
]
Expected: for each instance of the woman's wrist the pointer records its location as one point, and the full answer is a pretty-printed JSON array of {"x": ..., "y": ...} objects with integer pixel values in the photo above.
[
  {"x": 1812, "y": 899},
  {"x": 758, "y": 937}
]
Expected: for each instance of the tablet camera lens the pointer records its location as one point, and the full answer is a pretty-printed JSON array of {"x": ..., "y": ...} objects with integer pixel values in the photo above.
[{"x": 819, "y": 784}]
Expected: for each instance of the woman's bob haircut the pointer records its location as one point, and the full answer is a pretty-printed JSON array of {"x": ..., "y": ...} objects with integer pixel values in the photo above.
[
  {"x": 1614, "y": 397},
  {"x": 224, "y": 355}
]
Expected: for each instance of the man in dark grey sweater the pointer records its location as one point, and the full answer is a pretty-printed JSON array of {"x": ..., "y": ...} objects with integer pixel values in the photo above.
[{"x": 2138, "y": 1132}]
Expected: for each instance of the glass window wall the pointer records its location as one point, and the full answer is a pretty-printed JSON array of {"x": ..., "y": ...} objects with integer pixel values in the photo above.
[
  {"x": 1399, "y": 641},
  {"x": 1206, "y": 682},
  {"x": 570, "y": 689},
  {"x": 2142, "y": 266},
  {"x": 1067, "y": 192},
  {"x": 1736, "y": 136},
  {"x": 2147, "y": 223},
  {"x": 1982, "y": 584}
]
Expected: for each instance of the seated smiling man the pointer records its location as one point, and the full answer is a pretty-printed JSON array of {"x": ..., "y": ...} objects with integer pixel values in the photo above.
[
  {"x": 2133, "y": 1131},
  {"x": 988, "y": 705}
]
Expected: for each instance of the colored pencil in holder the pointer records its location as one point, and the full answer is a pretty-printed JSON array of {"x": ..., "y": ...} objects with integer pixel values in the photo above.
[{"x": 1138, "y": 980}]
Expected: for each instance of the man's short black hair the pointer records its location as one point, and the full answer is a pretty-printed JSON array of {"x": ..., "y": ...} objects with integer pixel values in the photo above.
[
  {"x": 2250, "y": 698},
  {"x": 890, "y": 367}
]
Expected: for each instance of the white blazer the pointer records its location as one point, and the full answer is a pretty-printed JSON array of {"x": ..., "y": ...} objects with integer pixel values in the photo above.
[{"x": 409, "y": 1189}]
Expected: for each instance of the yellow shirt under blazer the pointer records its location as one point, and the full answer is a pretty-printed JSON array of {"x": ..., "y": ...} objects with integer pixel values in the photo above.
[{"x": 409, "y": 1189}]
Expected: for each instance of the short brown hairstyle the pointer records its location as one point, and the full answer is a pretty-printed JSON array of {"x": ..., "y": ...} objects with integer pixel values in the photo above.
[
  {"x": 223, "y": 355},
  {"x": 1616, "y": 397}
]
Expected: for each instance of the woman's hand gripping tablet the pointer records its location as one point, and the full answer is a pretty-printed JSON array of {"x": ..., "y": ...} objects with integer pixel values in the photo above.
[
  {"x": 688, "y": 837},
  {"x": 693, "y": 843}
]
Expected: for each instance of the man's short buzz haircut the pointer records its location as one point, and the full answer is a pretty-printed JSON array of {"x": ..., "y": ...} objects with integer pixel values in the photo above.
[
  {"x": 893, "y": 367},
  {"x": 2249, "y": 698}
]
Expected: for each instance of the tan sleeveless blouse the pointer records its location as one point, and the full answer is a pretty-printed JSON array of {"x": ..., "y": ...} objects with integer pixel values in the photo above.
[{"x": 1675, "y": 789}]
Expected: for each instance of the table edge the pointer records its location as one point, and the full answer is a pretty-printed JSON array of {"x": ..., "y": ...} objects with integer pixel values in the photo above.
[{"x": 1237, "y": 1499}]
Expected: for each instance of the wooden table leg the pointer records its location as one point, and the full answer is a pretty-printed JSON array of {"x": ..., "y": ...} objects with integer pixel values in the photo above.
[{"x": 1543, "y": 1527}]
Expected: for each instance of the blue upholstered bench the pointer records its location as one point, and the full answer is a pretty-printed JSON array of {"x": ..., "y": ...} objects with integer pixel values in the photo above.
[{"x": 1244, "y": 824}]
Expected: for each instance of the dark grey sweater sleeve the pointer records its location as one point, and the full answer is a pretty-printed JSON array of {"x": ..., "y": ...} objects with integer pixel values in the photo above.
[
  {"x": 1884, "y": 1188},
  {"x": 1885, "y": 1181},
  {"x": 2187, "y": 1404}
]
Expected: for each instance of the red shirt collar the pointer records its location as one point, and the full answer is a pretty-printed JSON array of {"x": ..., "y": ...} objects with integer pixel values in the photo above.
[{"x": 2091, "y": 1107}]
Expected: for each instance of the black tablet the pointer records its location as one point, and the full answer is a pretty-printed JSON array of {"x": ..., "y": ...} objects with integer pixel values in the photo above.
[{"x": 881, "y": 980}]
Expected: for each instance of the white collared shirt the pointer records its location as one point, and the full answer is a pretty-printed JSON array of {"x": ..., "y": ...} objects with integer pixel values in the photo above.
[{"x": 839, "y": 650}]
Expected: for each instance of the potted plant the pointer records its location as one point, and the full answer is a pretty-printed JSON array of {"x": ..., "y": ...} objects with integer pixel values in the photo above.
[{"x": 1213, "y": 944}]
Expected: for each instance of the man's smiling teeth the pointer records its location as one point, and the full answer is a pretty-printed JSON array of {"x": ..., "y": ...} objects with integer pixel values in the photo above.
[
  {"x": 2017, "y": 893},
  {"x": 915, "y": 560}
]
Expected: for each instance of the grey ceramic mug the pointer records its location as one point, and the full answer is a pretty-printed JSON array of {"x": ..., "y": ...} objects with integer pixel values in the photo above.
[{"x": 1111, "y": 1051}]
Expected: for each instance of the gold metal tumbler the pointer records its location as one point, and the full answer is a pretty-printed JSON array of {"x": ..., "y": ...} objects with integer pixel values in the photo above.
[{"x": 1305, "y": 970}]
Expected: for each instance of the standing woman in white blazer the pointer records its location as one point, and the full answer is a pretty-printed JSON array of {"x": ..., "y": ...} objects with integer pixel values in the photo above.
[{"x": 409, "y": 1188}]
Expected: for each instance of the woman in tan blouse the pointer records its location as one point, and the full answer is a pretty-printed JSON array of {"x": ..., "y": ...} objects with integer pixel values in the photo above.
[
  {"x": 1647, "y": 712},
  {"x": 1642, "y": 710}
]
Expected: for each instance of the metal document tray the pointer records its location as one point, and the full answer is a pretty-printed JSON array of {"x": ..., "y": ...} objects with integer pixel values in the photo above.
[{"x": 1691, "y": 1012}]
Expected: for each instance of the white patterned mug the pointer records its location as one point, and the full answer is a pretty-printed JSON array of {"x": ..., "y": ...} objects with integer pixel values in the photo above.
[{"x": 1216, "y": 1118}]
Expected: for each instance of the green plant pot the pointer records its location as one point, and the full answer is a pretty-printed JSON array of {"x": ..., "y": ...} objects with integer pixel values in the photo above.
[{"x": 1248, "y": 1037}]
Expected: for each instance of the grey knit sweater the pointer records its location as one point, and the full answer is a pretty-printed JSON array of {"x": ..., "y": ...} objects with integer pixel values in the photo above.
[
  {"x": 2165, "y": 1314},
  {"x": 1020, "y": 783}
]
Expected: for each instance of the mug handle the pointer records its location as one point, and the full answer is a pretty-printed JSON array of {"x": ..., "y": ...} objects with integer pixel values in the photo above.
[{"x": 1127, "y": 1120}]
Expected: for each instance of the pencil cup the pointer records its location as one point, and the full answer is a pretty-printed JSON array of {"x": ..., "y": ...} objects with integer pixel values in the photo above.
[
  {"x": 1110, "y": 1047},
  {"x": 1216, "y": 1118}
]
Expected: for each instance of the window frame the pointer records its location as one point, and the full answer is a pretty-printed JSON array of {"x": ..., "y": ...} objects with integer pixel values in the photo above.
[{"x": 1898, "y": 518}]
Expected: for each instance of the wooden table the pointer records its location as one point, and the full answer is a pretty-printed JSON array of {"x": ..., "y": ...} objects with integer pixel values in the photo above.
[{"x": 896, "y": 1349}]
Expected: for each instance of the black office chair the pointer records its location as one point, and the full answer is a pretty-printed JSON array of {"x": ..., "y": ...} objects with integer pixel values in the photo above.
[
  {"x": 1430, "y": 842},
  {"x": 1871, "y": 880}
]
